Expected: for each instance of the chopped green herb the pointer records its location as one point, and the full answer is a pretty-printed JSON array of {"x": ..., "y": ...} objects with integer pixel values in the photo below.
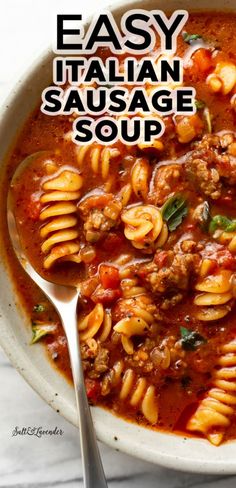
[
  {"x": 174, "y": 210},
  {"x": 190, "y": 339},
  {"x": 222, "y": 222},
  {"x": 189, "y": 38},
  {"x": 199, "y": 104},
  {"x": 39, "y": 308},
  {"x": 41, "y": 329}
]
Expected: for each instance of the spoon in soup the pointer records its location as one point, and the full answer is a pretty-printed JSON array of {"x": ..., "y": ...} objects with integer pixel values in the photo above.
[{"x": 64, "y": 299}]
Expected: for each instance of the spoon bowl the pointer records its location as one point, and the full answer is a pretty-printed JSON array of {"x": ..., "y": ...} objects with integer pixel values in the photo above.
[{"x": 65, "y": 300}]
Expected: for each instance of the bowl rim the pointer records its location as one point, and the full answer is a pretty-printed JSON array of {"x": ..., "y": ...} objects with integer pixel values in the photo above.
[{"x": 174, "y": 451}]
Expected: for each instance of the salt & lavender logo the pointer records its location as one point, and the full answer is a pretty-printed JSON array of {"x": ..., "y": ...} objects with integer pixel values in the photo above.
[{"x": 36, "y": 431}]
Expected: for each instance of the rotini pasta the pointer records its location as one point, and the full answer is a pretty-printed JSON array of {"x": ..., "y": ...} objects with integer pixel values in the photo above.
[
  {"x": 223, "y": 78},
  {"x": 141, "y": 309},
  {"x": 129, "y": 327},
  {"x": 59, "y": 232},
  {"x": 140, "y": 394},
  {"x": 139, "y": 178},
  {"x": 98, "y": 157},
  {"x": 135, "y": 390},
  {"x": 212, "y": 417},
  {"x": 144, "y": 227},
  {"x": 216, "y": 300},
  {"x": 130, "y": 287},
  {"x": 97, "y": 323},
  {"x": 124, "y": 195}
]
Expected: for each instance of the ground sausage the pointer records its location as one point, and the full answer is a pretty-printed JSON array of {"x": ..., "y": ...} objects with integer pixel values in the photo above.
[
  {"x": 100, "y": 214},
  {"x": 212, "y": 165},
  {"x": 174, "y": 278},
  {"x": 165, "y": 182}
]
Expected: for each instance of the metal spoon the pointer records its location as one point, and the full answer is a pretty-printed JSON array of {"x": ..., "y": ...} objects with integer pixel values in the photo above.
[{"x": 64, "y": 299}]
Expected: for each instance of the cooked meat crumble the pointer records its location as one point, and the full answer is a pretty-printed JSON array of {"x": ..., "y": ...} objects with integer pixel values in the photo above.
[{"x": 212, "y": 164}]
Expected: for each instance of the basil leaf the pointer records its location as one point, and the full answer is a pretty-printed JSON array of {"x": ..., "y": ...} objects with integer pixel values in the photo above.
[
  {"x": 189, "y": 38},
  {"x": 174, "y": 210},
  {"x": 199, "y": 104},
  {"x": 222, "y": 222},
  {"x": 191, "y": 340},
  {"x": 39, "y": 308},
  {"x": 41, "y": 329}
]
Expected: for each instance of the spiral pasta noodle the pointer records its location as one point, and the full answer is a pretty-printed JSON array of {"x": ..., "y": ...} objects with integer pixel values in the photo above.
[
  {"x": 98, "y": 156},
  {"x": 135, "y": 390},
  {"x": 140, "y": 178},
  {"x": 59, "y": 231},
  {"x": 97, "y": 323},
  {"x": 140, "y": 307},
  {"x": 131, "y": 287},
  {"x": 223, "y": 78},
  {"x": 212, "y": 417},
  {"x": 128, "y": 327},
  {"x": 215, "y": 301},
  {"x": 144, "y": 227},
  {"x": 124, "y": 194},
  {"x": 140, "y": 395}
]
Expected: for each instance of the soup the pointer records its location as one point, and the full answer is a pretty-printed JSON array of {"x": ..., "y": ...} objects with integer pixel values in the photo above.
[{"x": 148, "y": 234}]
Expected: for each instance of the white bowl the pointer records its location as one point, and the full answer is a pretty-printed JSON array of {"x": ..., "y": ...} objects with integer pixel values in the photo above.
[{"x": 170, "y": 450}]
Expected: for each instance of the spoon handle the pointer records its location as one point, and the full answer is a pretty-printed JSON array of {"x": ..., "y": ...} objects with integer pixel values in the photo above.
[{"x": 94, "y": 476}]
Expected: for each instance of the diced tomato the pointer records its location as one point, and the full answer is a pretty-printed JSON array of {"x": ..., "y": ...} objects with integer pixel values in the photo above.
[
  {"x": 112, "y": 242},
  {"x": 34, "y": 208},
  {"x": 202, "y": 61},
  {"x": 93, "y": 390},
  {"x": 109, "y": 276},
  {"x": 161, "y": 258},
  {"x": 106, "y": 296},
  {"x": 226, "y": 259}
]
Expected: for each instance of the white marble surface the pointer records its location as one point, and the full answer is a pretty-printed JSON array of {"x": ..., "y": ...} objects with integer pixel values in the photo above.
[{"x": 27, "y": 461}]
